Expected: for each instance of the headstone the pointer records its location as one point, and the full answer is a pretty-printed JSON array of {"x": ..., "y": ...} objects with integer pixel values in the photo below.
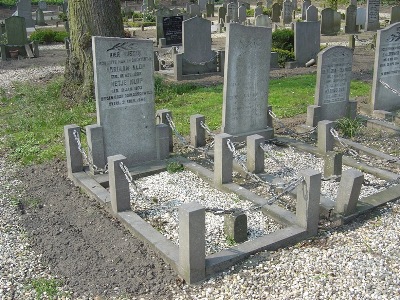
[
  {"x": 242, "y": 13},
  {"x": 221, "y": 13},
  {"x": 172, "y": 27},
  {"x": 40, "y": 17},
  {"x": 351, "y": 15},
  {"x": 150, "y": 4},
  {"x": 353, "y": 2},
  {"x": 210, "y": 10},
  {"x": 312, "y": 14},
  {"x": 197, "y": 40},
  {"x": 160, "y": 15},
  {"x": 194, "y": 10},
  {"x": 42, "y": 5},
  {"x": 16, "y": 31},
  {"x": 361, "y": 17},
  {"x": 245, "y": 93},
  {"x": 333, "y": 82},
  {"x": 372, "y": 22},
  {"x": 304, "y": 6},
  {"x": 386, "y": 69},
  {"x": 24, "y": 9},
  {"x": 246, "y": 4},
  {"x": 294, "y": 4},
  {"x": 124, "y": 90},
  {"x": 276, "y": 12},
  {"x": 65, "y": 6},
  {"x": 395, "y": 14},
  {"x": 269, "y": 3},
  {"x": 263, "y": 21},
  {"x": 258, "y": 11},
  {"x": 232, "y": 12},
  {"x": 327, "y": 21},
  {"x": 202, "y": 4},
  {"x": 307, "y": 39},
  {"x": 287, "y": 12},
  {"x": 337, "y": 21}
]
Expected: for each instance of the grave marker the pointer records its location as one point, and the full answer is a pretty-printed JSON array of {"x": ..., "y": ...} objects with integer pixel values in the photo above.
[
  {"x": 172, "y": 27},
  {"x": 372, "y": 22},
  {"x": 312, "y": 14},
  {"x": 304, "y": 6},
  {"x": 287, "y": 12},
  {"x": 307, "y": 39},
  {"x": 16, "y": 31},
  {"x": 40, "y": 17},
  {"x": 221, "y": 13},
  {"x": 194, "y": 10},
  {"x": 351, "y": 15},
  {"x": 361, "y": 17},
  {"x": 276, "y": 12},
  {"x": 24, "y": 9},
  {"x": 42, "y": 5},
  {"x": 263, "y": 20},
  {"x": 124, "y": 90},
  {"x": 242, "y": 13},
  {"x": 202, "y": 4},
  {"x": 232, "y": 12},
  {"x": 394, "y": 14},
  {"x": 258, "y": 11},
  {"x": 327, "y": 21}
]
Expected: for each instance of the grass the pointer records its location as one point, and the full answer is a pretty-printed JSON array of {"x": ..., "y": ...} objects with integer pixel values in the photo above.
[
  {"x": 47, "y": 287},
  {"x": 32, "y": 120},
  {"x": 13, "y": 2}
]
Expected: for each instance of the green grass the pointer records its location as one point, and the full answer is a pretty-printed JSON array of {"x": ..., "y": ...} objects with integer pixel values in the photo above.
[
  {"x": 13, "y": 2},
  {"x": 47, "y": 287},
  {"x": 32, "y": 121}
]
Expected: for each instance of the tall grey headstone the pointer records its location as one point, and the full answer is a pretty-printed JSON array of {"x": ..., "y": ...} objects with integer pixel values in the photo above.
[
  {"x": 395, "y": 14},
  {"x": 263, "y": 21},
  {"x": 337, "y": 21},
  {"x": 294, "y": 4},
  {"x": 150, "y": 4},
  {"x": 327, "y": 21},
  {"x": 304, "y": 6},
  {"x": 333, "y": 82},
  {"x": 24, "y": 9},
  {"x": 312, "y": 14},
  {"x": 242, "y": 13},
  {"x": 386, "y": 69},
  {"x": 276, "y": 12},
  {"x": 210, "y": 10},
  {"x": 160, "y": 15},
  {"x": 287, "y": 12},
  {"x": 42, "y": 5},
  {"x": 16, "y": 31},
  {"x": 196, "y": 42},
  {"x": 221, "y": 13},
  {"x": 372, "y": 22},
  {"x": 202, "y": 4},
  {"x": 124, "y": 90},
  {"x": 351, "y": 15},
  {"x": 232, "y": 12},
  {"x": 258, "y": 11},
  {"x": 307, "y": 39},
  {"x": 194, "y": 10},
  {"x": 40, "y": 17},
  {"x": 361, "y": 17},
  {"x": 245, "y": 93}
]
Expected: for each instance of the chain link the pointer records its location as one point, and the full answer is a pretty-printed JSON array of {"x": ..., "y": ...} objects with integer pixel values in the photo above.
[
  {"x": 289, "y": 187},
  {"x": 166, "y": 60},
  {"x": 86, "y": 157},
  {"x": 386, "y": 184},
  {"x": 290, "y": 131},
  {"x": 203, "y": 63},
  {"x": 130, "y": 180},
  {"x": 387, "y": 86},
  {"x": 176, "y": 132},
  {"x": 364, "y": 42},
  {"x": 206, "y": 128},
  {"x": 335, "y": 134}
]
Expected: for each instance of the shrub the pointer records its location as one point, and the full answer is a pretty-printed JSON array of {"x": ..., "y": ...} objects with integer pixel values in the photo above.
[
  {"x": 148, "y": 17},
  {"x": 267, "y": 11},
  {"x": 48, "y": 36},
  {"x": 349, "y": 127},
  {"x": 250, "y": 12},
  {"x": 283, "y": 39},
  {"x": 283, "y": 56}
]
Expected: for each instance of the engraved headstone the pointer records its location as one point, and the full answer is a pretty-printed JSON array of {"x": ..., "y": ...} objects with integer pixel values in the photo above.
[
  {"x": 242, "y": 13},
  {"x": 395, "y": 14},
  {"x": 263, "y": 21},
  {"x": 172, "y": 27},
  {"x": 386, "y": 69},
  {"x": 333, "y": 82},
  {"x": 232, "y": 12},
  {"x": 197, "y": 40},
  {"x": 160, "y": 15},
  {"x": 307, "y": 39},
  {"x": 245, "y": 93},
  {"x": 312, "y": 14},
  {"x": 221, "y": 13},
  {"x": 276, "y": 12},
  {"x": 351, "y": 15},
  {"x": 304, "y": 6},
  {"x": 16, "y": 31},
  {"x": 372, "y": 22},
  {"x": 124, "y": 90},
  {"x": 287, "y": 12},
  {"x": 361, "y": 17},
  {"x": 24, "y": 9}
]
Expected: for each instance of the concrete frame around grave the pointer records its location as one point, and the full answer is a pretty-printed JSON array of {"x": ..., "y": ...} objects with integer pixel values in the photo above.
[
  {"x": 332, "y": 90},
  {"x": 197, "y": 57}
]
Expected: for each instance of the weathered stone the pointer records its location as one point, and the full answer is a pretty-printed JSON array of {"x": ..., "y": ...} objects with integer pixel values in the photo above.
[
  {"x": 395, "y": 14},
  {"x": 223, "y": 159},
  {"x": 325, "y": 138},
  {"x": 119, "y": 186},
  {"x": 312, "y": 14},
  {"x": 276, "y": 12},
  {"x": 361, "y": 17},
  {"x": 372, "y": 22},
  {"x": 235, "y": 226},
  {"x": 327, "y": 21},
  {"x": 24, "y": 10},
  {"x": 263, "y": 21},
  {"x": 304, "y": 6},
  {"x": 332, "y": 164},
  {"x": 306, "y": 41},
  {"x": 242, "y": 14},
  {"x": 351, "y": 15},
  {"x": 197, "y": 132},
  {"x": 349, "y": 192},
  {"x": 287, "y": 12},
  {"x": 16, "y": 31},
  {"x": 255, "y": 154}
]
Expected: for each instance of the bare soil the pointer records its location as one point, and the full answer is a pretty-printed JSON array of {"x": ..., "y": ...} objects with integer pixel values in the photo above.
[{"x": 90, "y": 251}]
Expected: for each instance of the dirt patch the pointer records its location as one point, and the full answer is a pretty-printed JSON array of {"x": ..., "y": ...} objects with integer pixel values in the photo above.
[{"x": 91, "y": 252}]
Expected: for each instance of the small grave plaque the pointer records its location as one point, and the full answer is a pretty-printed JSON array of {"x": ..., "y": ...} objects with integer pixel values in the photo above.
[{"x": 172, "y": 27}]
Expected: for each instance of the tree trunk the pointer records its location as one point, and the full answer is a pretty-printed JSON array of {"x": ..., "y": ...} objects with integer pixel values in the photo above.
[{"x": 88, "y": 18}]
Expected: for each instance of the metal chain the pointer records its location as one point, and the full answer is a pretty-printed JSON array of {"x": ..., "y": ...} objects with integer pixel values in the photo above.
[
  {"x": 386, "y": 184},
  {"x": 88, "y": 157},
  {"x": 206, "y": 128},
  {"x": 165, "y": 60},
  {"x": 364, "y": 42},
  {"x": 130, "y": 180},
  {"x": 289, "y": 187},
  {"x": 176, "y": 132},
  {"x": 335, "y": 134},
  {"x": 290, "y": 131},
  {"x": 387, "y": 86},
  {"x": 267, "y": 151},
  {"x": 201, "y": 63}
]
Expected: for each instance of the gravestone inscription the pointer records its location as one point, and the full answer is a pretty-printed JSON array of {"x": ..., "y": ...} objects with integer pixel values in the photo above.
[
  {"x": 372, "y": 22},
  {"x": 172, "y": 27}
]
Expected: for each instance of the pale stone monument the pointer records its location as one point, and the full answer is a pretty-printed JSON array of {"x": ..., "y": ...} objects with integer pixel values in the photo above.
[
  {"x": 263, "y": 20},
  {"x": 307, "y": 37}
]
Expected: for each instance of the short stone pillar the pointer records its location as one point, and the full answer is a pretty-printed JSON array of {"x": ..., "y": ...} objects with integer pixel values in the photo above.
[
  {"x": 223, "y": 159},
  {"x": 255, "y": 155},
  {"x": 95, "y": 141},
  {"x": 235, "y": 226},
  {"x": 197, "y": 132},
  {"x": 352, "y": 41},
  {"x": 325, "y": 137},
  {"x": 313, "y": 115},
  {"x": 162, "y": 136},
  {"x": 74, "y": 156},
  {"x": 332, "y": 164},
  {"x": 178, "y": 66},
  {"x": 156, "y": 61},
  {"x": 119, "y": 185},
  {"x": 349, "y": 192},
  {"x": 308, "y": 197},
  {"x": 192, "y": 244},
  {"x": 161, "y": 118}
]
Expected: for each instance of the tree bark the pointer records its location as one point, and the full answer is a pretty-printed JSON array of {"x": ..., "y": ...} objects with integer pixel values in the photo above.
[{"x": 88, "y": 18}]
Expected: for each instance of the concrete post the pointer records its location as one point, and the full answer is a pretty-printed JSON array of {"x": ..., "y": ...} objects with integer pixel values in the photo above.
[
  {"x": 178, "y": 61},
  {"x": 162, "y": 134},
  {"x": 308, "y": 196},
  {"x": 197, "y": 133},
  {"x": 3, "y": 52},
  {"x": 325, "y": 138},
  {"x": 162, "y": 119},
  {"x": 119, "y": 186},
  {"x": 255, "y": 155},
  {"x": 352, "y": 41},
  {"x": 74, "y": 156},
  {"x": 270, "y": 121},
  {"x": 223, "y": 159},
  {"x": 192, "y": 245},
  {"x": 221, "y": 61},
  {"x": 349, "y": 191},
  {"x": 352, "y": 109},
  {"x": 156, "y": 62},
  {"x": 313, "y": 115},
  {"x": 94, "y": 135},
  {"x": 235, "y": 226},
  {"x": 332, "y": 164}
]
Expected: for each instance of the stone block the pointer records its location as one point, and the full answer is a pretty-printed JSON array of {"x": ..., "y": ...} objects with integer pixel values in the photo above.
[
  {"x": 162, "y": 133},
  {"x": 197, "y": 132},
  {"x": 349, "y": 192},
  {"x": 95, "y": 141},
  {"x": 162, "y": 119},
  {"x": 325, "y": 137},
  {"x": 235, "y": 226},
  {"x": 313, "y": 115},
  {"x": 255, "y": 155},
  {"x": 74, "y": 156},
  {"x": 119, "y": 185},
  {"x": 332, "y": 164},
  {"x": 223, "y": 159}
]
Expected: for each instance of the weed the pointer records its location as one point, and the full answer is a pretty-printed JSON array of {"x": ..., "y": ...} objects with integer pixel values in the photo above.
[
  {"x": 47, "y": 287},
  {"x": 32, "y": 202},
  {"x": 230, "y": 241},
  {"x": 174, "y": 167},
  {"x": 15, "y": 201},
  {"x": 349, "y": 127}
]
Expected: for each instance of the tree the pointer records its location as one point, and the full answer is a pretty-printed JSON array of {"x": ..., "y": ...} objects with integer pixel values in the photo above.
[{"x": 88, "y": 18}]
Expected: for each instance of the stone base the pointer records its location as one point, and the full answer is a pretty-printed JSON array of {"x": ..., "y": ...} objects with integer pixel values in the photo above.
[
  {"x": 291, "y": 65},
  {"x": 267, "y": 133}
]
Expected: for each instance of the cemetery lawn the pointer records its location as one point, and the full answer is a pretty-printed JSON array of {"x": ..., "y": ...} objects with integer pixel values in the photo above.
[{"x": 32, "y": 121}]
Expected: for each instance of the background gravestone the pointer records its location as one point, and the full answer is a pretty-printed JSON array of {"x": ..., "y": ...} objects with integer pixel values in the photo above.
[
  {"x": 333, "y": 82},
  {"x": 351, "y": 15},
  {"x": 263, "y": 21},
  {"x": 287, "y": 12},
  {"x": 386, "y": 69},
  {"x": 42, "y": 5},
  {"x": 246, "y": 80},
  {"x": 304, "y": 7},
  {"x": 294, "y": 4},
  {"x": 307, "y": 38},
  {"x": 394, "y": 14},
  {"x": 194, "y": 10},
  {"x": 258, "y": 11},
  {"x": 172, "y": 27},
  {"x": 327, "y": 21},
  {"x": 124, "y": 90},
  {"x": 40, "y": 17},
  {"x": 337, "y": 20},
  {"x": 242, "y": 13},
  {"x": 372, "y": 22},
  {"x": 202, "y": 4},
  {"x": 232, "y": 12},
  {"x": 221, "y": 14},
  {"x": 24, "y": 9},
  {"x": 16, "y": 31},
  {"x": 197, "y": 40},
  {"x": 160, "y": 15},
  {"x": 361, "y": 17},
  {"x": 312, "y": 14},
  {"x": 276, "y": 12},
  {"x": 210, "y": 10}
]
